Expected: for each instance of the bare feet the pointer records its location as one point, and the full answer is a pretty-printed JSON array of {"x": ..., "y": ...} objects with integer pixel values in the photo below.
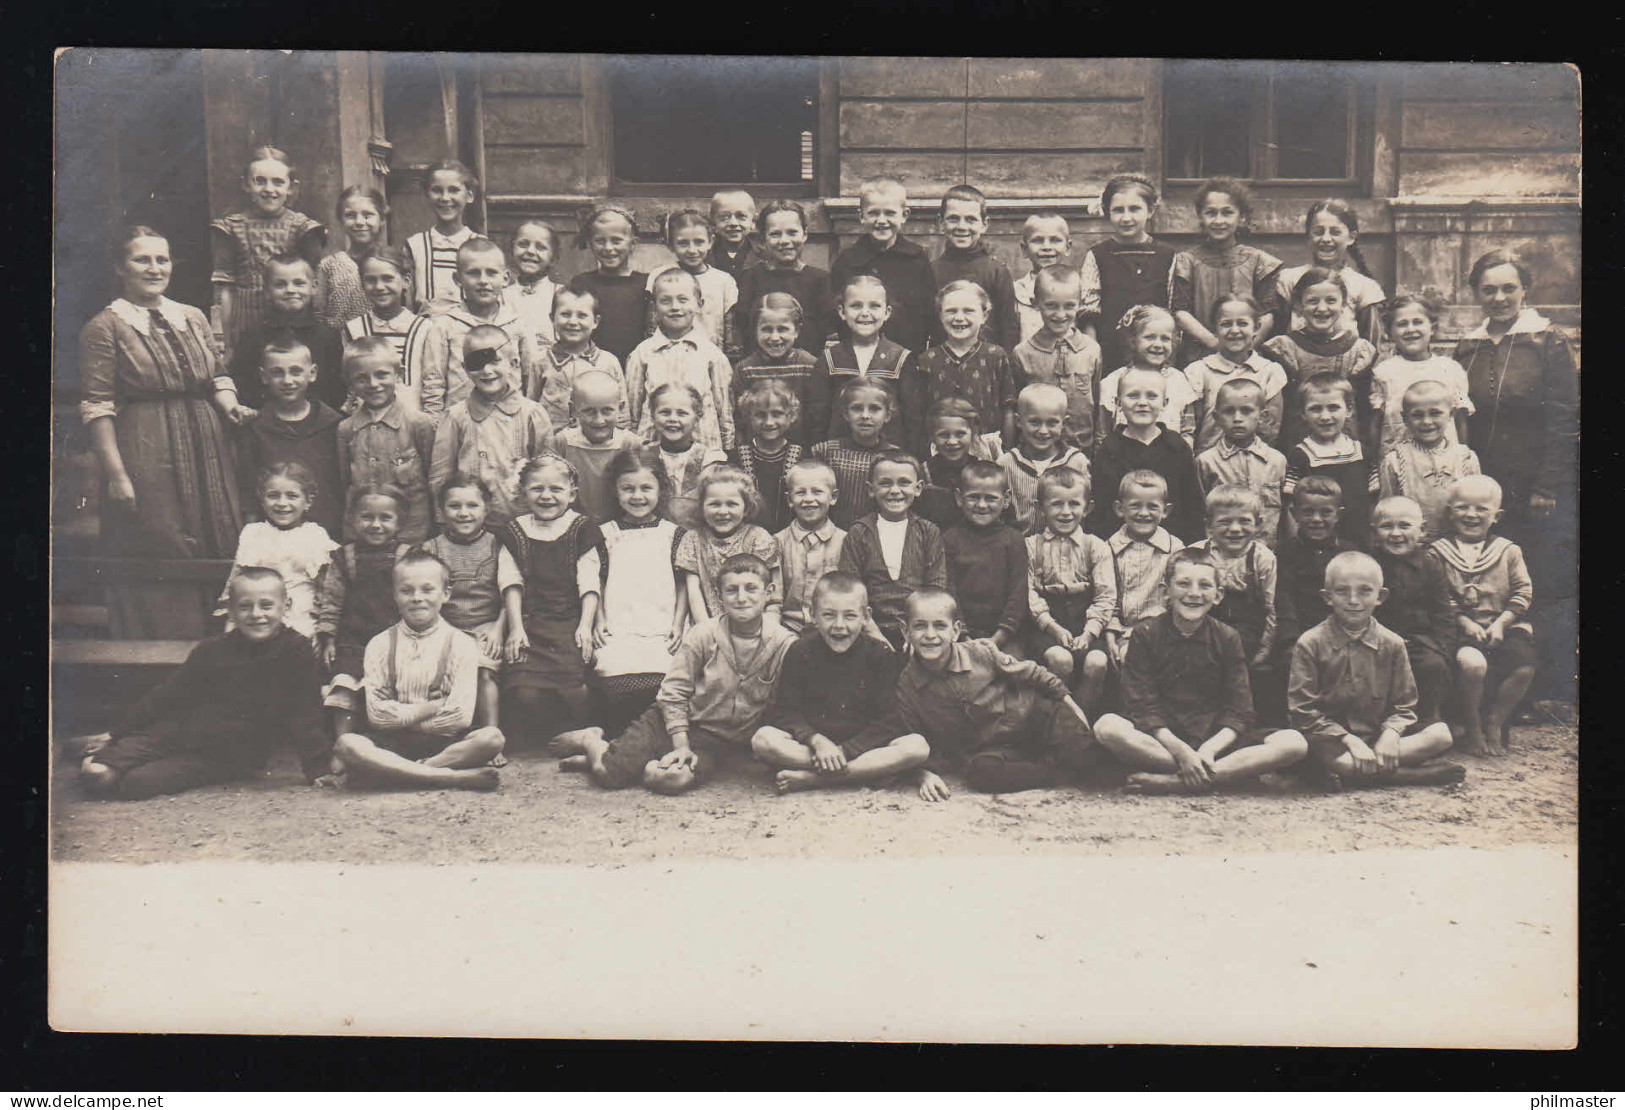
[
  {"x": 97, "y": 778},
  {"x": 1495, "y": 736},
  {"x": 1437, "y": 773},
  {"x": 336, "y": 781},
  {"x": 789, "y": 781},
  {"x": 499, "y": 760},
  {"x": 575, "y": 741},
  {"x": 1147, "y": 782},
  {"x": 1472, "y": 742},
  {"x": 478, "y": 778},
  {"x": 85, "y": 746},
  {"x": 573, "y": 763}
]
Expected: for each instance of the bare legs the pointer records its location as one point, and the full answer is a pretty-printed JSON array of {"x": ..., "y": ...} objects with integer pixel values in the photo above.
[
  {"x": 1486, "y": 727},
  {"x": 1158, "y": 772},
  {"x": 1091, "y": 682},
  {"x": 460, "y": 766},
  {"x": 778, "y": 748}
]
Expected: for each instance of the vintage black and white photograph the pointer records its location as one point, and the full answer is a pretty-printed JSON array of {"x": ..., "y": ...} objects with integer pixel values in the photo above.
[{"x": 1119, "y": 512}]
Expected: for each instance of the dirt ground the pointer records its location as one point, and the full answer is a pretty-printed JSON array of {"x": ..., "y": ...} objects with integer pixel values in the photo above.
[{"x": 542, "y": 816}]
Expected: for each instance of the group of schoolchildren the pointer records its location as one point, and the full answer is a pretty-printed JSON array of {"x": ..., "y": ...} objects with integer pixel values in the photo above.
[{"x": 909, "y": 515}]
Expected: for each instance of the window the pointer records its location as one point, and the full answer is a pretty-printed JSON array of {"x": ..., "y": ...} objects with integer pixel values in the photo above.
[
  {"x": 1265, "y": 121},
  {"x": 714, "y": 121}
]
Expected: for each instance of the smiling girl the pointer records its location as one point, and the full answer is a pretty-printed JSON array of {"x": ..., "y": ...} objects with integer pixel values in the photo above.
[
  {"x": 245, "y": 240},
  {"x": 1218, "y": 266},
  {"x": 340, "y": 296}
]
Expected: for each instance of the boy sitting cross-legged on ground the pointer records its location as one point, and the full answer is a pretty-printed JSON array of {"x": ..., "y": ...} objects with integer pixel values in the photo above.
[
  {"x": 1007, "y": 723},
  {"x": 828, "y": 722},
  {"x": 1189, "y": 724},
  {"x": 1353, "y": 696},
  {"x": 218, "y": 718},
  {"x": 710, "y": 703},
  {"x": 422, "y": 683}
]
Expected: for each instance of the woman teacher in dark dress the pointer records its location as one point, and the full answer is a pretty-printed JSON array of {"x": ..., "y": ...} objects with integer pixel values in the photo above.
[
  {"x": 156, "y": 403},
  {"x": 1525, "y": 390}
]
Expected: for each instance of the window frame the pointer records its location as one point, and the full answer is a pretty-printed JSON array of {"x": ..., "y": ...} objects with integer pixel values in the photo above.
[
  {"x": 1263, "y": 152},
  {"x": 791, "y": 190}
]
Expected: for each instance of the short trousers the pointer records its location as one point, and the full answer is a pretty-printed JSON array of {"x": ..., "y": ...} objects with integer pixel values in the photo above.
[
  {"x": 1325, "y": 752},
  {"x": 646, "y": 739},
  {"x": 492, "y": 660},
  {"x": 867, "y": 739},
  {"x": 410, "y": 743},
  {"x": 1518, "y": 648},
  {"x": 1039, "y": 641}
]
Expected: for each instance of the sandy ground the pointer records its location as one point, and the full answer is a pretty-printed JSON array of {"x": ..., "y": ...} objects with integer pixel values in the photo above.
[
  {"x": 1442, "y": 917},
  {"x": 542, "y": 816}
]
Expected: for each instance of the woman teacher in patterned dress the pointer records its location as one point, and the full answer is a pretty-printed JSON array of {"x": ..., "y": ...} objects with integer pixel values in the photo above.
[{"x": 155, "y": 402}]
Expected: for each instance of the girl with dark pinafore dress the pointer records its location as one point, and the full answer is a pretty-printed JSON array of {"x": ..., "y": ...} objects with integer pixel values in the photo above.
[{"x": 558, "y": 552}]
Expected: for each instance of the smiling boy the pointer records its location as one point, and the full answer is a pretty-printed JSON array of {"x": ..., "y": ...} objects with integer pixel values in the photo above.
[
  {"x": 290, "y": 290},
  {"x": 593, "y": 440},
  {"x": 965, "y": 257},
  {"x": 495, "y": 428},
  {"x": 291, "y": 426},
  {"x": 710, "y": 703},
  {"x": 385, "y": 441},
  {"x": 435, "y": 346},
  {"x": 810, "y": 545},
  {"x": 828, "y": 723},
  {"x": 422, "y": 682},
  {"x": 902, "y": 265},
  {"x": 1189, "y": 717},
  {"x": 1006, "y": 724},
  {"x": 1352, "y": 693},
  {"x": 1041, "y": 415},
  {"x": 236, "y": 699},
  {"x": 1059, "y": 354}
]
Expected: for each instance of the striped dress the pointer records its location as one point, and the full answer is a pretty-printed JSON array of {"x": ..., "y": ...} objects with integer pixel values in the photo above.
[
  {"x": 242, "y": 242},
  {"x": 434, "y": 265},
  {"x": 395, "y": 330}
]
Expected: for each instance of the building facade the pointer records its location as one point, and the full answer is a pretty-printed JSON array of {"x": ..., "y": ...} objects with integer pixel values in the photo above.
[{"x": 1440, "y": 161}]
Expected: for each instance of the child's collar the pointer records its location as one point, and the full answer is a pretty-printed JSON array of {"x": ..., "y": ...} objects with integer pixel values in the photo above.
[
  {"x": 969, "y": 351},
  {"x": 1131, "y": 431},
  {"x": 418, "y": 634}
]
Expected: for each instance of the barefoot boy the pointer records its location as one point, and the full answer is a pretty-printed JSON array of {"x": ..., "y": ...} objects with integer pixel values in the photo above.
[
  {"x": 1352, "y": 694},
  {"x": 828, "y": 722},
  {"x": 1492, "y": 593},
  {"x": 422, "y": 681},
  {"x": 710, "y": 703},
  {"x": 1189, "y": 724},
  {"x": 219, "y": 717},
  {"x": 1008, "y": 724}
]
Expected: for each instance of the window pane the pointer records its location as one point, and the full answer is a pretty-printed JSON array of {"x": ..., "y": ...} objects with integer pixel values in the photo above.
[
  {"x": 712, "y": 119},
  {"x": 1311, "y": 122},
  {"x": 1209, "y": 108}
]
